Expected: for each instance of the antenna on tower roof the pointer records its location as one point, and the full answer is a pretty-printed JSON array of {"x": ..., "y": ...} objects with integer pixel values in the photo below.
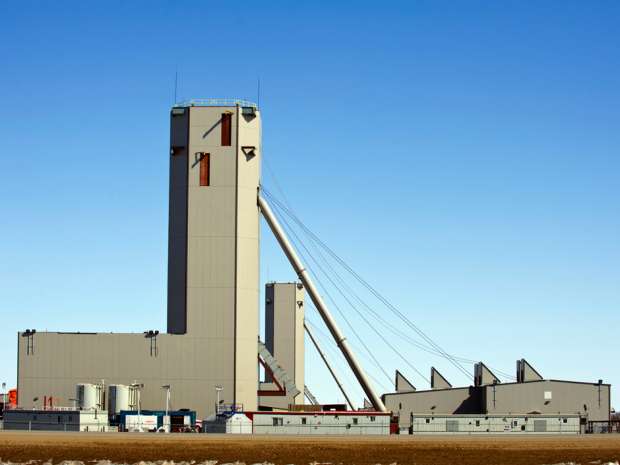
[
  {"x": 176, "y": 82},
  {"x": 258, "y": 92}
]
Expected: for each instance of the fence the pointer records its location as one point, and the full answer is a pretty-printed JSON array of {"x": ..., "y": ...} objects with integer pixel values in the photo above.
[
  {"x": 598, "y": 427},
  {"x": 19, "y": 425}
]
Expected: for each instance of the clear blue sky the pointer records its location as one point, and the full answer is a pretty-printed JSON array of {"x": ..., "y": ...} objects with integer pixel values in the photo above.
[{"x": 462, "y": 156}]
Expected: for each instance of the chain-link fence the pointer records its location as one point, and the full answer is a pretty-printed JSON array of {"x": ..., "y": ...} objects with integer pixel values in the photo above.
[
  {"x": 19, "y": 425},
  {"x": 602, "y": 427}
]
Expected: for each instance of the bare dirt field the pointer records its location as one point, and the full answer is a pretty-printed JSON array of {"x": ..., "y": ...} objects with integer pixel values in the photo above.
[{"x": 134, "y": 447}]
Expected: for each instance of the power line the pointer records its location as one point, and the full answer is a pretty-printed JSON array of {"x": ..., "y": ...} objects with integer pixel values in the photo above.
[
  {"x": 373, "y": 328},
  {"x": 328, "y": 342},
  {"x": 295, "y": 239},
  {"x": 372, "y": 290},
  {"x": 316, "y": 242}
]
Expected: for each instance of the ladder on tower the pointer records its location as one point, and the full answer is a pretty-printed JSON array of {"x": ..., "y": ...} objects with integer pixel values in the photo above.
[
  {"x": 277, "y": 371},
  {"x": 310, "y": 396}
]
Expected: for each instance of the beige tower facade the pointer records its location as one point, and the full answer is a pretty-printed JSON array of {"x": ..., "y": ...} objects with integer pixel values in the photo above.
[
  {"x": 213, "y": 276},
  {"x": 213, "y": 261}
]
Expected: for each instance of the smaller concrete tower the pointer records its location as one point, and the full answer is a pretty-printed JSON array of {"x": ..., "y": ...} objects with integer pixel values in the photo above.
[{"x": 284, "y": 337}]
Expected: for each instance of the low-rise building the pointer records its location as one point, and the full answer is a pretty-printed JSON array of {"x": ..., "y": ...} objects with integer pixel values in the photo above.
[
  {"x": 478, "y": 424},
  {"x": 307, "y": 423},
  {"x": 529, "y": 397},
  {"x": 56, "y": 420}
]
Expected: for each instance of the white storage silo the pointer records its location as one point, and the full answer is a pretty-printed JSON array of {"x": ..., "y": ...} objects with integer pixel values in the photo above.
[
  {"x": 89, "y": 396},
  {"x": 118, "y": 398}
]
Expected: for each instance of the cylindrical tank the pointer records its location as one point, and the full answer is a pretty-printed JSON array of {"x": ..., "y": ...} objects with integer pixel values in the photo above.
[
  {"x": 88, "y": 396},
  {"x": 118, "y": 398}
]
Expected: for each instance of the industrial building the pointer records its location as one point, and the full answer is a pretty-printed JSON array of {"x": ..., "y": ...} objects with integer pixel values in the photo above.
[
  {"x": 56, "y": 420},
  {"x": 207, "y": 360},
  {"x": 495, "y": 424},
  {"x": 209, "y": 354},
  {"x": 213, "y": 284},
  {"x": 531, "y": 396},
  {"x": 340, "y": 423}
]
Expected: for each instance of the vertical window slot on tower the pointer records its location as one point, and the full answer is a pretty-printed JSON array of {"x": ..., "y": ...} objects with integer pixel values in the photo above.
[
  {"x": 226, "y": 129},
  {"x": 205, "y": 169}
]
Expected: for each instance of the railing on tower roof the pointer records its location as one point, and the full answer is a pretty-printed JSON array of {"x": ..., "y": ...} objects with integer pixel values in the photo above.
[{"x": 215, "y": 102}]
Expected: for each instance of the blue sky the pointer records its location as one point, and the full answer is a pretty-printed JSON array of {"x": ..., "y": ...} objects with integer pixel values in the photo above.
[{"x": 463, "y": 157}]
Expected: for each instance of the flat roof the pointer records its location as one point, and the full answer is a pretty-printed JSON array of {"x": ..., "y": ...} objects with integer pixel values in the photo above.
[
  {"x": 498, "y": 385},
  {"x": 495, "y": 415},
  {"x": 215, "y": 102},
  {"x": 322, "y": 412}
]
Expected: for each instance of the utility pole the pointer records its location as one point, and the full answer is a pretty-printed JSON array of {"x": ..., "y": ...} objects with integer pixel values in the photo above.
[
  {"x": 167, "y": 417},
  {"x": 218, "y": 389},
  {"x": 139, "y": 387}
]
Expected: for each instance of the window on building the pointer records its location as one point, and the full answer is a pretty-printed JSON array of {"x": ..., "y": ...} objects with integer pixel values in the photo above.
[
  {"x": 278, "y": 421},
  {"x": 205, "y": 169},
  {"x": 355, "y": 421},
  {"x": 226, "y": 129},
  {"x": 515, "y": 423},
  {"x": 564, "y": 420},
  {"x": 477, "y": 422},
  {"x": 303, "y": 421},
  {"x": 428, "y": 420},
  {"x": 372, "y": 418}
]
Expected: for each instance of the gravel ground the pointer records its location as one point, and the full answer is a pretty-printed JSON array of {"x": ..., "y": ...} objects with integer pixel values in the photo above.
[{"x": 54, "y": 448}]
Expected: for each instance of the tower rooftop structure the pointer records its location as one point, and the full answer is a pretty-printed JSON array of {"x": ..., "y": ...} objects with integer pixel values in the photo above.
[{"x": 215, "y": 102}]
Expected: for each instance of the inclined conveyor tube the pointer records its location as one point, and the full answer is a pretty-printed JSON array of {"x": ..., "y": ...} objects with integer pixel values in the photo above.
[{"x": 306, "y": 280}]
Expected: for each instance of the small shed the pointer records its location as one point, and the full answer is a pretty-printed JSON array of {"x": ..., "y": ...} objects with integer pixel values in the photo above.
[{"x": 238, "y": 423}]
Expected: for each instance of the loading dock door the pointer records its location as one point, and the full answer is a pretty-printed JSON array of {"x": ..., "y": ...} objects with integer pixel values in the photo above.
[
  {"x": 452, "y": 426},
  {"x": 540, "y": 426}
]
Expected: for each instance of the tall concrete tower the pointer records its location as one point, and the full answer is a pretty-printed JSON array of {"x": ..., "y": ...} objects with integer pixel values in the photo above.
[{"x": 213, "y": 248}]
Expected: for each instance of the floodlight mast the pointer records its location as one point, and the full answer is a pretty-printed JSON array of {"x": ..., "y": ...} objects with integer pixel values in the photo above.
[{"x": 305, "y": 278}]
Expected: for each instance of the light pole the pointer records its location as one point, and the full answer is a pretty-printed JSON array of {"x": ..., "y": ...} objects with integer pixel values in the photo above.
[
  {"x": 166, "y": 417},
  {"x": 139, "y": 387},
  {"x": 167, "y": 388},
  {"x": 218, "y": 389}
]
